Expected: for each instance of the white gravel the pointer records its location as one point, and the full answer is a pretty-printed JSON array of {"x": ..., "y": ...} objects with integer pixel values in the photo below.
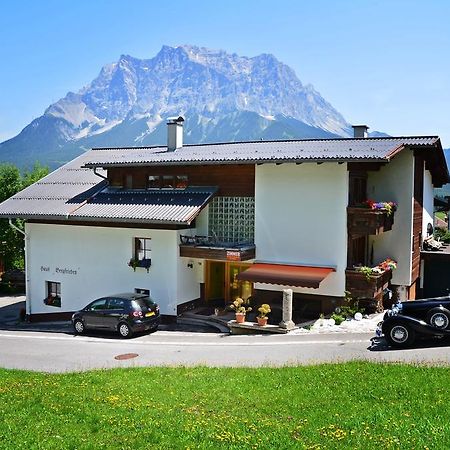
[{"x": 321, "y": 326}]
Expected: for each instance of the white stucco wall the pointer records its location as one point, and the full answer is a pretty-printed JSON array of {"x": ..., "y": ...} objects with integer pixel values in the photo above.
[
  {"x": 201, "y": 222},
  {"x": 98, "y": 258},
  {"x": 301, "y": 218},
  {"x": 394, "y": 182},
  {"x": 428, "y": 202}
]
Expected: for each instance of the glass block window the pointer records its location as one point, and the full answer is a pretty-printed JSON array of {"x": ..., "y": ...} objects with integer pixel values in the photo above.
[{"x": 232, "y": 219}]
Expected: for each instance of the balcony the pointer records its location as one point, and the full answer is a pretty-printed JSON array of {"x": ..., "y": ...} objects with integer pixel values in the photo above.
[
  {"x": 363, "y": 222},
  {"x": 365, "y": 285},
  {"x": 209, "y": 247}
]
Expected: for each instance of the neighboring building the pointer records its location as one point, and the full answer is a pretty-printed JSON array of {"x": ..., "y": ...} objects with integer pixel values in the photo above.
[{"x": 208, "y": 223}]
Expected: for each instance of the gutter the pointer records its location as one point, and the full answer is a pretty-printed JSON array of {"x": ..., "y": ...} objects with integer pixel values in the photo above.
[{"x": 27, "y": 278}]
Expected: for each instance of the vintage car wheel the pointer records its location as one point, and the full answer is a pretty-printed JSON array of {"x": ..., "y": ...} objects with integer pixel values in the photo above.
[
  {"x": 400, "y": 335},
  {"x": 439, "y": 318}
]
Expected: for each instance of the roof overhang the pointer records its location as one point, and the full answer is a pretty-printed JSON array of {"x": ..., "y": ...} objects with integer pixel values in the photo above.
[{"x": 286, "y": 275}]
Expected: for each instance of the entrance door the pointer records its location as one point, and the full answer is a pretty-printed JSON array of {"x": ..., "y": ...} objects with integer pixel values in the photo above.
[
  {"x": 215, "y": 288},
  {"x": 222, "y": 283}
]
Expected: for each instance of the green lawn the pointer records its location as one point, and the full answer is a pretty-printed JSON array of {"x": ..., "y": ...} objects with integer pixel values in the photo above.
[
  {"x": 441, "y": 215},
  {"x": 353, "y": 405}
]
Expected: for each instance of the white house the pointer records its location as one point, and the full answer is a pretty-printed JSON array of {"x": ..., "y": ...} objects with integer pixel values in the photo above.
[{"x": 208, "y": 223}]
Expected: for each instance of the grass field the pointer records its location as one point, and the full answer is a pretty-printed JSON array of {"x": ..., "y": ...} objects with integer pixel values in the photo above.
[{"x": 353, "y": 405}]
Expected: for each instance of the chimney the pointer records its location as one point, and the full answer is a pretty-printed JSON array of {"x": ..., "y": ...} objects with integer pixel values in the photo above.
[
  {"x": 360, "y": 131},
  {"x": 174, "y": 133}
]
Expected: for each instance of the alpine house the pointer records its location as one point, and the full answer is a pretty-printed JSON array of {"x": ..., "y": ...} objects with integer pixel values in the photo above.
[{"x": 207, "y": 223}]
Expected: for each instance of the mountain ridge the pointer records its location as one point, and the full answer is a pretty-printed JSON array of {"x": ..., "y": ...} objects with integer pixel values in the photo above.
[{"x": 223, "y": 96}]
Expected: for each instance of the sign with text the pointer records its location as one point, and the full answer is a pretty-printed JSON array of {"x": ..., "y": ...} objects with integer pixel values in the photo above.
[
  {"x": 233, "y": 255},
  {"x": 60, "y": 270}
]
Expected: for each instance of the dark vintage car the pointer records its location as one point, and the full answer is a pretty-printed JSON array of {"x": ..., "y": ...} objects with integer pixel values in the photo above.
[
  {"x": 408, "y": 321},
  {"x": 126, "y": 313}
]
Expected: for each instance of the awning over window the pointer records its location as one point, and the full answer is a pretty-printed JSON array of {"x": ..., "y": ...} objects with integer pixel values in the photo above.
[{"x": 286, "y": 275}]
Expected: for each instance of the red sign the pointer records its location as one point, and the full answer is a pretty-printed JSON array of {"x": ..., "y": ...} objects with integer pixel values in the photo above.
[{"x": 233, "y": 256}]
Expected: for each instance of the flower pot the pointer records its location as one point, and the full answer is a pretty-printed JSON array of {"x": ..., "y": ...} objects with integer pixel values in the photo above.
[
  {"x": 240, "y": 317},
  {"x": 262, "y": 321}
]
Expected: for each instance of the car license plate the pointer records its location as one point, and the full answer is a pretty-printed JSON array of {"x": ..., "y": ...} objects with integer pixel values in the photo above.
[{"x": 149, "y": 314}]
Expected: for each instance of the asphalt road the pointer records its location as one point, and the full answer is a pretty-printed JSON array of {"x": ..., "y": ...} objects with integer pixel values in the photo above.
[
  {"x": 62, "y": 352},
  {"x": 54, "y": 348}
]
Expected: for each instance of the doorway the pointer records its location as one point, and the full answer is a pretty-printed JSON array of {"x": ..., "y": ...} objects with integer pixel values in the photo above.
[{"x": 222, "y": 285}]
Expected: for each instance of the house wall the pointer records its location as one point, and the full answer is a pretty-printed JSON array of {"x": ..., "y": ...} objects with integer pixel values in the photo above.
[
  {"x": 301, "y": 218},
  {"x": 394, "y": 182},
  {"x": 428, "y": 202},
  {"x": 97, "y": 258}
]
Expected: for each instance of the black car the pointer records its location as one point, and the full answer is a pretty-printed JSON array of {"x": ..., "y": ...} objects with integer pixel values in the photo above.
[
  {"x": 126, "y": 313},
  {"x": 407, "y": 321}
]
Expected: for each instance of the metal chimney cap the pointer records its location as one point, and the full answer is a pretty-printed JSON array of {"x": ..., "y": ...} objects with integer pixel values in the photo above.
[
  {"x": 179, "y": 119},
  {"x": 360, "y": 131}
]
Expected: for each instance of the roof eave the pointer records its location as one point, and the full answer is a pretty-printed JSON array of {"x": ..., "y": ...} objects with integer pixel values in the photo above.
[{"x": 232, "y": 162}]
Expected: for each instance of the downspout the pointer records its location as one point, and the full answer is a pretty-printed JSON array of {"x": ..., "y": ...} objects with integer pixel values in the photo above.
[{"x": 27, "y": 279}]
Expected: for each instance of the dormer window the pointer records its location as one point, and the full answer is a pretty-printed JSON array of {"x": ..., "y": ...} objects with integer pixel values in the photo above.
[
  {"x": 154, "y": 182},
  {"x": 167, "y": 182},
  {"x": 181, "y": 182}
]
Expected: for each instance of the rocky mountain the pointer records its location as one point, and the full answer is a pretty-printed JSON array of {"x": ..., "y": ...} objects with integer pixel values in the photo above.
[{"x": 224, "y": 97}]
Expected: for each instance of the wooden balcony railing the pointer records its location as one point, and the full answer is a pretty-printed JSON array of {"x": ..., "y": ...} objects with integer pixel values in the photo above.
[{"x": 363, "y": 222}]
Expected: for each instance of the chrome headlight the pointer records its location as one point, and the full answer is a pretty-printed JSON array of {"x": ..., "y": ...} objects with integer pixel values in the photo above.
[{"x": 396, "y": 309}]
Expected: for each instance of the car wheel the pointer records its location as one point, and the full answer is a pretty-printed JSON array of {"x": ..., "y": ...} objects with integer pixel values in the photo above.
[
  {"x": 124, "y": 330},
  {"x": 439, "y": 318},
  {"x": 400, "y": 335},
  {"x": 79, "y": 327}
]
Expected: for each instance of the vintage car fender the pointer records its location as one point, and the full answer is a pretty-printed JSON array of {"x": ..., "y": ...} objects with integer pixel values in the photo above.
[{"x": 417, "y": 325}]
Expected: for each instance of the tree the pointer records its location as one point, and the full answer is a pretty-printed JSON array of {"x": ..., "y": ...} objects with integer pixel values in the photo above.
[{"x": 11, "y": 241}]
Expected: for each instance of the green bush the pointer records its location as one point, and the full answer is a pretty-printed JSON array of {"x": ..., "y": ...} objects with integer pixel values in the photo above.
[{"x": 442, "y": 234}]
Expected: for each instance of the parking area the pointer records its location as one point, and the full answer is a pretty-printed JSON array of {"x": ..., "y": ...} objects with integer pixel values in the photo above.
[{"x": 12, "y": 310}]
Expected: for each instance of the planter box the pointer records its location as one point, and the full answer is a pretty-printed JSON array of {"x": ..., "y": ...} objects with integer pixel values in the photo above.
[
  {"x": 361, "y": 221},
  {"x": 359, "y": 286}
]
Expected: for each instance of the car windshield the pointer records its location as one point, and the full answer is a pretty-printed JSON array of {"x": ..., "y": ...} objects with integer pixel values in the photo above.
[{"x": 143, "y": 303}]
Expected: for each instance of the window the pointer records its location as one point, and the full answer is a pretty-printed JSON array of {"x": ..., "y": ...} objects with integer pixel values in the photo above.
[
  {"x": 181, "y": 182},
  {"x": 142, "y": 291},
  {"x": 53, "y": 297},
  {"x": 116, "y": 303},
  {"x": 154, "y": 182},
  {"x": 168, "y": 182},
  {"x": 98, "y": 305},
  {"x": 142, "y": 249},
  {"x": 232, "y": 219}
]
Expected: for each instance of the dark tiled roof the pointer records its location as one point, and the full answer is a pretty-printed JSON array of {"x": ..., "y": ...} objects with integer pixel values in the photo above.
[
  {"x": 75, "y": 193},
  {"x": 49, "y": 197},
  {"x": 171, "y": 206},
  {"x": 367, "y": 149}
]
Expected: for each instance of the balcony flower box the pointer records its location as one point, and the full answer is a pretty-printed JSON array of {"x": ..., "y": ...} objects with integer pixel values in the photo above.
[
  {"x": 364, "y": 221},
  {"x": 145, "y": 263},
  {"x": 369, "y": 282}
]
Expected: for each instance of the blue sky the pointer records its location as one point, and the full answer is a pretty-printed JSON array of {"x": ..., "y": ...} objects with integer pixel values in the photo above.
[{"x": 385, "y": 63}]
